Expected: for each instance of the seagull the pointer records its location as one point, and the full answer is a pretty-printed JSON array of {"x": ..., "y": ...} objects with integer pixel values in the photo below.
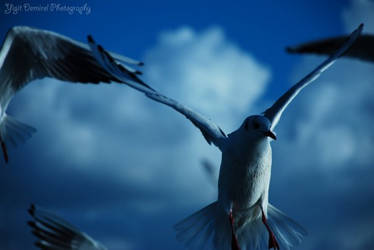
[
  {"x": 363, "y": 49},
  {"x": 54, "y": 233},
  {"x": 242, "y": 217},
  {"x": 28, "y": 54}
]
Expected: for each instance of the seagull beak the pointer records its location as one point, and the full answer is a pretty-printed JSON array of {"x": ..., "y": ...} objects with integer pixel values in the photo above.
[{"x": 270, "y": 134}]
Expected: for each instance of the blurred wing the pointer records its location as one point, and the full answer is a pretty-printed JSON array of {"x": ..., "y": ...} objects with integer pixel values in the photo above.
[
  {"x": 28, "y": 54},
  {"x": 210, "y": 171},
  {"x": 211, "y": 132},
  {"x": 56, "y": 234},
  {"x": 362, "y": 49},
  {"x": 274, "y": 112}
]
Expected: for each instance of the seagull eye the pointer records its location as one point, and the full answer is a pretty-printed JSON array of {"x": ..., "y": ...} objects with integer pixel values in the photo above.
[{"x": 256, "y": 125}]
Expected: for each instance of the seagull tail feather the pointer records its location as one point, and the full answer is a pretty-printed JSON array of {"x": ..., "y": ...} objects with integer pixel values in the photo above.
[
  {"x": 210, "y": 226},
  {"x": 205, "y": 227},
  {"x": 288, "y": 232},
  {"x": 252, "y": 233},
  {"x": 13, "y": 132}
]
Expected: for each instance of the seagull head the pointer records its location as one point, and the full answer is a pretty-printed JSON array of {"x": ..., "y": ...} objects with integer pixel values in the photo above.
[{"x": 258, "y": 126}]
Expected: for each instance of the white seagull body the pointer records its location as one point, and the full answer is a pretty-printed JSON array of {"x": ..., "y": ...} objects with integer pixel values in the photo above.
[
  {"x": 56, "y": 234},
  {"x": 28, "y": 54},
  {"x": 242, "y": 217}
]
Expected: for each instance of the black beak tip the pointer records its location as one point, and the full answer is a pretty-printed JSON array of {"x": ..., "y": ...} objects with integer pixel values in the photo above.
[{"x": 271, "y": 135}]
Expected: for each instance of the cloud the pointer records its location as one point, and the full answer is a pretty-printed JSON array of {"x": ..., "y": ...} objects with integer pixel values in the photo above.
[
  {"x": 109, "y": 143},
  {"x": 116, "y": 127},
  {"x": 360, "y": 11},
  {"x": 328, "y": 137},
  {"x": 208, "y": 72},
  {"x": 331, "y": 119}
]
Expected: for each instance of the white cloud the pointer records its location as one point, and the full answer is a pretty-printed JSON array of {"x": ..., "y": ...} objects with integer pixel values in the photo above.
[
  {"x": 140, "y": 141},
  {"x": 329, "y": 124},
  {"x": 207, "y": 72},
  {"x": 360, "y": 11},
  {"x": 327, "y": 134}
]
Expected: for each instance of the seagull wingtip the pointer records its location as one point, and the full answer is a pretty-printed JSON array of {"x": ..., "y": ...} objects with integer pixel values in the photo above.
[
  {"x": 90, "y": 39},
  {"x": 31, "y": 210},
  {"x": 31, "y": 223},
  {"x": 359, "y": 28}
]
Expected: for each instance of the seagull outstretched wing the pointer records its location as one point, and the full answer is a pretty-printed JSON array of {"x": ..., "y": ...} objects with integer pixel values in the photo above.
[
  {"x": 56, "y": 234},
  {"x": 28, "y": 54},
  {"x": 211, "y": 132},
  {"x": 275, "y": 111}
]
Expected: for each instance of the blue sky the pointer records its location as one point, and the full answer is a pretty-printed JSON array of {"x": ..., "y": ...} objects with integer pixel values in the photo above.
[{"x": 124, "y": 169}]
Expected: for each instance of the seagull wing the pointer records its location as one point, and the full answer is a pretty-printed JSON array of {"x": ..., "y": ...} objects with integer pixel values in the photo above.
[
  {"x": 363, "y": 48},
  {"x": 28, "y": 54},
  {"x": 275, "y": 111},
  {"x": 211, "y": 132},
  {"x": 54, "y": 233}
]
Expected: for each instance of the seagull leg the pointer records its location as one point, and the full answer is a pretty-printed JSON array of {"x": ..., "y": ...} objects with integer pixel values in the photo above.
[
  {"x": 234, "y": 240},
  {"x": 273, "y": 243},
  {"x": 5, "y": 151}
]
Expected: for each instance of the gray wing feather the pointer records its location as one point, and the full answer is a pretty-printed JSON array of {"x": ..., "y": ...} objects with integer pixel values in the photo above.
[
  {"x": 28, "y": 54},
  {"x": 211, "y": 132},
  {"x": 275, "y": 111},
  {"x": 54, "y": 233}
]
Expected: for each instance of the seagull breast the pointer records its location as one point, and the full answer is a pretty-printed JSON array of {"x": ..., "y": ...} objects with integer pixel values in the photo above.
[{"x": 245, "y": 174}]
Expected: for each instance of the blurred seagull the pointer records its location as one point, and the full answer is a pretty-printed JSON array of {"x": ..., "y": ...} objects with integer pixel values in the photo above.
[
  {"x": 28, "y": 54},
  {"x": 56, "y": 234},
  {"x": 210, "y": 170},
  {"x": 363, "y": 48},
  {"x": 242, "y": 217}
]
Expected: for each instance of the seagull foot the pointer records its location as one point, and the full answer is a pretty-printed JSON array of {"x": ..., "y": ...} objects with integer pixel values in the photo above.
[
  {"x": 5, "y": 151},
  {"x": 234, "y": 240},
  {"x": 273, "y": 243}
]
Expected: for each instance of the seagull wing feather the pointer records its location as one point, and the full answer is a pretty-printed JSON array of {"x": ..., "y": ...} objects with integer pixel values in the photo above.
[
  {"x": 28, "y": 54},
  {"x": 275, "y": 111},
  {"x": 55, "y": 233},
  {"x": 211, "y": 132}
]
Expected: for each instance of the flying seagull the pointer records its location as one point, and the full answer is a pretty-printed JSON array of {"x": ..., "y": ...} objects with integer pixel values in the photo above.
[
  {"x": 242, "y": 217},
  {"x": 28, "y": 54},
  {"x": 54, "y": 233},
  {"x": 363, "y": 48}
]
